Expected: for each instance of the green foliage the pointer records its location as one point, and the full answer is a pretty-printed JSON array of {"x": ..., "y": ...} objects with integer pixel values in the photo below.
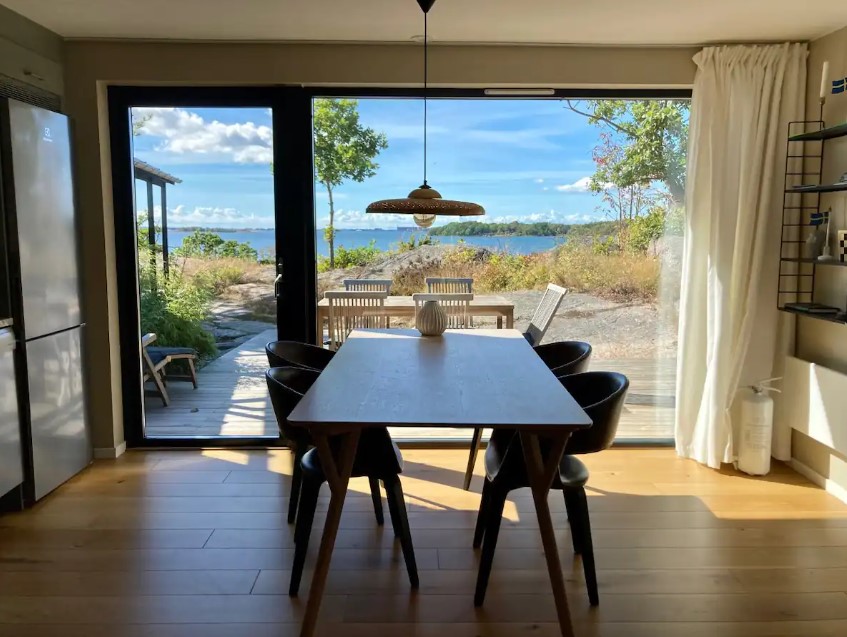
[
  {"x": 515, "y": 228},
  {"x": 202, "y": 243},
  {"x": 352, "y": 257},
  {"x": 644, "y": 230},
  {"x": 174, "y": 308},
  {"x": 415, "y": 241},
  {"x": 344, "y": 150},
  {"x": 219, "y": 274},
  {"x": 652, "y": 135}
]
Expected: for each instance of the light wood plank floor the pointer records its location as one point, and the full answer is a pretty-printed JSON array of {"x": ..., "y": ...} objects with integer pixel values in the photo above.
[
  {"x": 232, "y": 400},
  {"x": 190, "y": 544}
]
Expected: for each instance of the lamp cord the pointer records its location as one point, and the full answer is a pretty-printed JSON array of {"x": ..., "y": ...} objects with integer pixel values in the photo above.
[{"x": 426, "y": 71}]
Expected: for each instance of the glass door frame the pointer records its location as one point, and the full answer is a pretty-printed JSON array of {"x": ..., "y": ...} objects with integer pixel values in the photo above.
[{"x": 294, "y": 229}]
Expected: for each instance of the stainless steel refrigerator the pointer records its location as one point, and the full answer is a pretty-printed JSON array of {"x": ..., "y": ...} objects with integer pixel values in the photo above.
[{"x": 41, "y": 244}]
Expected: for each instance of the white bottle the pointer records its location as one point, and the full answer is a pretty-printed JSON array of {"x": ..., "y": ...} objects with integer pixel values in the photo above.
[{"x": 756, "y": 431}]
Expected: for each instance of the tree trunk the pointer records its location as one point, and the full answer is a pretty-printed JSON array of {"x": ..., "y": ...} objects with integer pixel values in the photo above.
[{"x": 331, "y": 228}]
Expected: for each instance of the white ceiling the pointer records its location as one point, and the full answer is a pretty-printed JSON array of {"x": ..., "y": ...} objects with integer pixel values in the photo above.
[{"x": 663, "y": 22}]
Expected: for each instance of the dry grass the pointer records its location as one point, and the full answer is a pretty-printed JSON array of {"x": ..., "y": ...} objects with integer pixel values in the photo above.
[{"x": 218, "y": 274}]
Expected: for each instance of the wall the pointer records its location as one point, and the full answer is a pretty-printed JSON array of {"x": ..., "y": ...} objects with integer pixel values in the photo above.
[
  {"x": 91, "y": 66},
  {"x": 30, "y": 53},
  {"x": 819, "y": 341}
]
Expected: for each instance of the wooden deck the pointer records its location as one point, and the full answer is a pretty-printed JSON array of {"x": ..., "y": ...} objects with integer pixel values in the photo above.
[
  {"x": 232, "y": 400},
  {"x": 195, "y": 544}
]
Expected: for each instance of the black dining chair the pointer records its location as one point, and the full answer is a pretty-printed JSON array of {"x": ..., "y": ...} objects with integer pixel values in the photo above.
[
  {"x": 286, "y": 385},
  {"x": 564, "y": 357},
  {"x": 296, "y": 354},
  {"x": 601, "y": 395},
  {"x": 377, "y": 457}
]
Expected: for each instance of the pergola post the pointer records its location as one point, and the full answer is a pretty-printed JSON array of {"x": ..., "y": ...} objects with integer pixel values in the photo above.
[
  {"x": 151, "y": 227},
  {"x": 165, "y": 255}
]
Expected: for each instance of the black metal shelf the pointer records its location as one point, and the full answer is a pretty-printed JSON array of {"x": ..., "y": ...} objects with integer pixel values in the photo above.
[
  {"x": 819, "y": 135},
  {"x": 815, "y": 261},
  {"x": 821, "y": 188},
  {"x": 837, "y": 318}
]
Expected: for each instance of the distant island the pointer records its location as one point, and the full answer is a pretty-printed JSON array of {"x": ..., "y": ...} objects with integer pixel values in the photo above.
[
  {"x": 517, "y": 229},
  {"x": 217, "y": 230}
]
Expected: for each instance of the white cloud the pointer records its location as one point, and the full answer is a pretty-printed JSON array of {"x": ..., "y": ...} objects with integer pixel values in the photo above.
[
  {"x": 211, "y": 216},
  {"x": 183, "y": 132},
  {"x": 551, "y": 216},
  {"x": 358, "y": 219},
  {"x": 539, "y": 181},
  {"x": 580, "y": 185}
]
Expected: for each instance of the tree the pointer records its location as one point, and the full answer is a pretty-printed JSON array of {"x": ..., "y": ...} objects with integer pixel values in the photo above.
[
  {"x": 344, "y": 149},
  {"x": 653, "y": 140}
]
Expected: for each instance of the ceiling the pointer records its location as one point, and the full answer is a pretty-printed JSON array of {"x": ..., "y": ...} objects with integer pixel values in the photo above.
[{"x": 621, "y": 22}]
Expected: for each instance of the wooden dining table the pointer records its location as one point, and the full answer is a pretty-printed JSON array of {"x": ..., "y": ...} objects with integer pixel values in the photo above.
[
  {"x": 490, "y": 305},
  {"x": 465, "y": 378}
]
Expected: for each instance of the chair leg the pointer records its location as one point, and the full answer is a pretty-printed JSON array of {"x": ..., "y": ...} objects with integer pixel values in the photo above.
[
  {"x": 492, "y": 529},
  {"x": 296, "y": 481},
  {"x": 394, "y": 489},
  {"x": 377, "y": 500},
  {"x": 481, "y": 519},
  {"x": 475, "y": 442},
  {"x": 572, "y": 507},
  {"x": 392, "y": 511},
  {"x": 587, "y": 546},
  {"x": 305, "y": 517}
]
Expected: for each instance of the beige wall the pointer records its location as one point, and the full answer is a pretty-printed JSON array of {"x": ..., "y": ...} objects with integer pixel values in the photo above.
[
  {"x": 819, "y": 341},
  {"x": 93, "y": 65},
  {"x": 29, "y": 52}
]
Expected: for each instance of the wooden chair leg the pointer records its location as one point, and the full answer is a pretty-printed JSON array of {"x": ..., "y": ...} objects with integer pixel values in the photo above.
[
  {"x": 581, "y": 501},
  {"x": 377, "y": 500},
  {"x": 394, "y": 490},
  {"x": 572, "y": 507},
  {"x": 296, "y": 481},
  {"x": 475, "y": 443},
  {"x": 192, "y": 372},
  {"x": 484, "y": 503},
  {"x": 492, "y": 530},
  {"x": 305, "y": 517}
]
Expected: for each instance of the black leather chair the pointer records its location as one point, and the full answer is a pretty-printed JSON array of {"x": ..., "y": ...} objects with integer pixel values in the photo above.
[
  {"x": 563, "y": 358},
  {"x": 296, "y": 354},
  {"x": 286, "y": 385},
  {"x": 377, "y": 457},
  {"x": 601, "y": 395}
]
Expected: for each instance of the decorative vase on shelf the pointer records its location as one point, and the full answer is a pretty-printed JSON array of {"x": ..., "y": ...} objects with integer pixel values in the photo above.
[
  {"x": 842, "y": 246},
  {"x": 431, "y": 319}
]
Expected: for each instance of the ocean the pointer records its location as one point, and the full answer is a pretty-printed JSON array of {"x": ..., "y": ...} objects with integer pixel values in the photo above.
[{"x": 263, "y": 240}]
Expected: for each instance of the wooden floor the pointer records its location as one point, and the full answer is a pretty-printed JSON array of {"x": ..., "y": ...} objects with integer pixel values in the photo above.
[
  {"x": 232, "y": 400},
  {"x": 195, "y": 544}
]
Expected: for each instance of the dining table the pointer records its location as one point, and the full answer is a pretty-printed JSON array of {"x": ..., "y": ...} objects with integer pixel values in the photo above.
[
  {"x": 489, "y": 305},
  {"x": 470, "y": 378}
]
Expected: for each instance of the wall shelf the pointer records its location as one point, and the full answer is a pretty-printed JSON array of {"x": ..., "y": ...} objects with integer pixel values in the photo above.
[
  {"x": 820, "y": 188},
  {"x": 816, "y": 262},
  {"x": 819, "y": 135},
  {"x": 838, "y": 318}
]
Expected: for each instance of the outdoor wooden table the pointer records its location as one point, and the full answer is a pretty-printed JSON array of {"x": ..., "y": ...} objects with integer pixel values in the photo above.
[
  {"x": 404, "y": 307},
  {"x": 465, "y": 378}
]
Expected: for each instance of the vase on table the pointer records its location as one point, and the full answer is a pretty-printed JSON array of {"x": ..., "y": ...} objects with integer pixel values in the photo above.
[{"x": 431, "y": 319}]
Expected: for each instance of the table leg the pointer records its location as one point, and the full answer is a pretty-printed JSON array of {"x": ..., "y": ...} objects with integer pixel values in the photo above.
[
  {"x": 337, "y": 476},
  {"x": 510, "y": 320},
  {"x": 541, "y": 473}
]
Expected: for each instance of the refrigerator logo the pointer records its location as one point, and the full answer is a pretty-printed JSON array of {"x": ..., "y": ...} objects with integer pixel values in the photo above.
[{"x": 48, "y": 134}]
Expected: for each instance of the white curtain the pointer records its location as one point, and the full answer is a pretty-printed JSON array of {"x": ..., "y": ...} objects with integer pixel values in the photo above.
[{"x": 744, "y": 97}]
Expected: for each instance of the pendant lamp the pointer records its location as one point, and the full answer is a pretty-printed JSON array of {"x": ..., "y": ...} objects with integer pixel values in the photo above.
[{"x": 425, "y": 202}]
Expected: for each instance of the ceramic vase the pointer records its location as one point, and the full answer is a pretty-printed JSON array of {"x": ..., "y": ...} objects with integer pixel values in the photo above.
[
  {"x": 842, "y": 246},
  {"x": 431, "y": 319}
]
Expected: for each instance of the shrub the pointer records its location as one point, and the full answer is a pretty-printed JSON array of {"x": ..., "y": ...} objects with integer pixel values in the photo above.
[
  {"x": 174, "y": 308},
  {"x": 202, "y": 243},
  {"x": 219, "y": 274},
  {"x": 351, "y": 257}
]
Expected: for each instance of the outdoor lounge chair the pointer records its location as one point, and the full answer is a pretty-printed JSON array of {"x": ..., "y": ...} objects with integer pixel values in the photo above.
[{"x": 156, "y": 359}]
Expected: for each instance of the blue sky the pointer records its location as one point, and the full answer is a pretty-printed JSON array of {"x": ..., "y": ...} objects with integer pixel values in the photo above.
[{"x": 525, "y": 160}]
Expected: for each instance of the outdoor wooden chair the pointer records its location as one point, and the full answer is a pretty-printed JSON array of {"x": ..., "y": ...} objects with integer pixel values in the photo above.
[
  {"x": 350, "y": 309},
  {"x": 456, "y": 305},
  {"x": 438, "y": 285},
  {"x": 155, "y": 359},
  {"x": 368, "y": 285},
  {"x": 544, "y": 313}
]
